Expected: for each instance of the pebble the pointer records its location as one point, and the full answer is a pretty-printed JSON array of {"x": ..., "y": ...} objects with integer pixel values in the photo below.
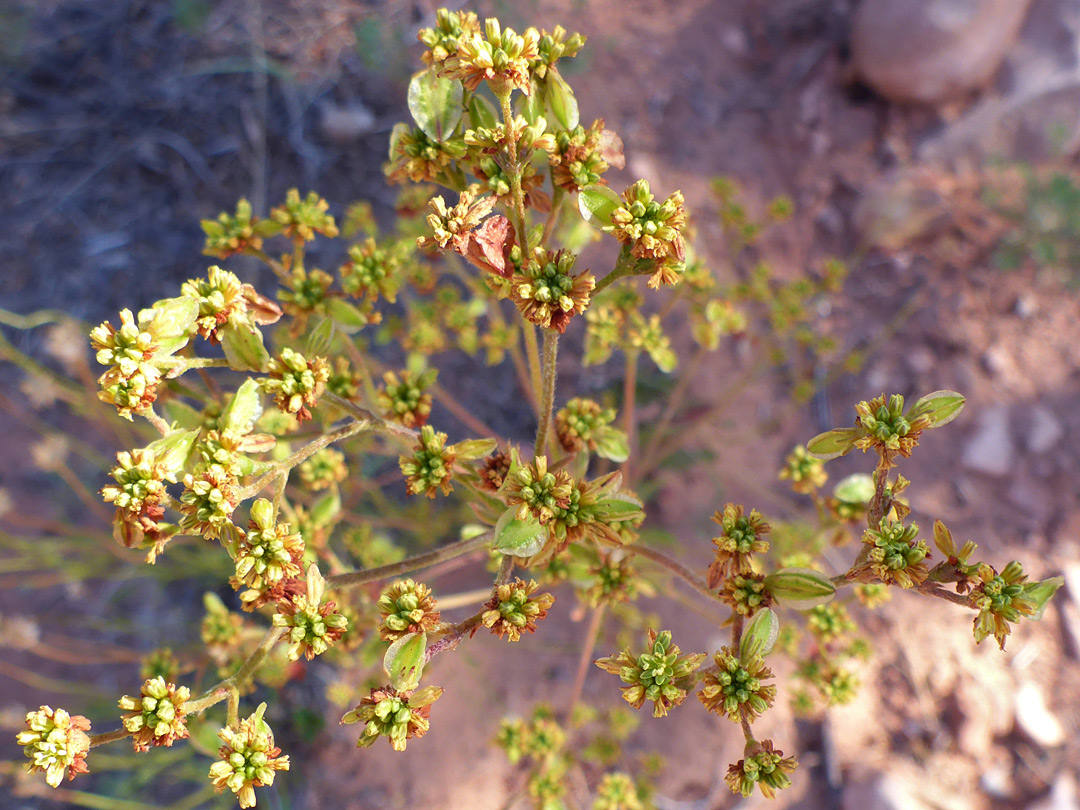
[
  {"x": 1026, "y": 306},
  {"x": 1062, "y": 796},
  {"x": 1044, "y": 430},
  {"x": 343, "y": 124},
  {"x": 1035, "y": 719},
  {"x": 932, "y": 51},
  {"x": 990, "y": 449}
]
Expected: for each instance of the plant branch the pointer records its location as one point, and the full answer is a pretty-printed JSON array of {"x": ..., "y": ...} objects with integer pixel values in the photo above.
[
  {"x": 547, "y": 402},
  {"x": 414, "y": 563},
  {"x": 675, "y": 567}
]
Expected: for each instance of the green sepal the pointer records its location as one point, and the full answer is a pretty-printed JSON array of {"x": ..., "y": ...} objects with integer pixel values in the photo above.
[
  {"x": 243, "y": 410},
  {"x": 612, "y": 444},
  {"x": 404, "y": 661},
  {"x": 173, "y": 451},
  {"x": 759, "y": 634},
  {"x": 519, "y": 538},
  {"x": 561, "y": 102},
  {"x": 941, "y": 407},
  {"x": 833, "y": 443},
  {"x": 473, "y": 449},
  {"x": 244, "y": 348},
  {"x": 597, "y": 204},
  {"x": 800, "y": 588},
  {"x": 345, "y": 315},
  {"x": 435, "y": 104}
]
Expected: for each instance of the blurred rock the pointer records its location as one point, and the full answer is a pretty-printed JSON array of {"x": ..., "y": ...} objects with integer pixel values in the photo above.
[
  {"x": 903, "y": 789},
  {"x": 932, "y": 51},
  {"x": 343, "y": 124},
  {"x": 1026, "y": 306},
  {"x": 1063, "y": 796},
  {"x": 990, "y": 450},
  {"x": 1044, "y": 430},
  {"x": 1035, "y": 719}
]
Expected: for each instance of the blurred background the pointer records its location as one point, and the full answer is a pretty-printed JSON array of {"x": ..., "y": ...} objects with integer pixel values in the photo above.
[{"x": 932, "y": 144}]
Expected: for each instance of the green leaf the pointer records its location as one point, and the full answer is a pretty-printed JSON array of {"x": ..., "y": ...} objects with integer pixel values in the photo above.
[
  {"x": 800, "y": 588},
  {"x": 171, "y": 321},
  {"x": 532, "y": 105},
  {"x": 612, "y": 444},
  {"x": 759, "y": 634},
  {"x": 620, "y": 506},
  {"x": 941, "y": 406},
  {"x": 348, "y": 317},
  {"x": 474, "y": 449},
  {"x": 832, "y": 443},
  {"x": 857, "y": 488},
  {"x": 435, "y": 104},
  {"x": 560, "y": 100},
  {"x": 318, "y": 341},
  {"x": 481, "y": 113},
  {"x": 174, "y": 450},
  {"x": 243, "y": 410},
  {"x": 519, "y": 538},
  {"x": 244, "y": 348},
  {"x": 326, "y": 509},
  {"x": 597, "y": 204},
  {"x": 404, "y": 661},
  {"x": 182, "y": 414},
  {"x": 1041, "y": 592}
]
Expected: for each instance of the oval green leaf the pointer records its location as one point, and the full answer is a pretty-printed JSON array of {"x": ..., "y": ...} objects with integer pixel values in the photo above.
[
  {"x": 832, "y": 443},
  {"x": 435, "y": 104}
]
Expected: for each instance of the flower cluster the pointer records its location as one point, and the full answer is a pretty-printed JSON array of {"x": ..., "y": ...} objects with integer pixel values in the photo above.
[
  {"x": 499, "y": 56},
  {"x": 442, "y": 39},
  {"x": 226, "y": 303},
  {"x": 398, "y": 716},
  {"x": 56, "y": 744},
  {"x": 805, "y": 472},
  {"x": 301, "y": 218},
  {"x": 745, "y": 593},
  {"x": 651, "y": 229},
  {"x": 537, "y": 492},
  {"x": 546, "y": 292},
  {"x": 763, "y": 766},
  {"x": 886, "y": 428},
  {"x": 735, "y": 687},
  {"x": 249, "y": 758},
  {"x": 156, "y": 717},
  {"x": 407, "y": 607},
  {"x": 404, "y": 398},
  {"x": 210, "y": 497},
  {"x": 296, "y": 382},
  {"x": 430, "y": 468},
  {"x": 323, "y": 469},
  {"x": 267, "y": 553},
  {"x": 740, "y": 538},
  {"x": 230, "y": 234},
  {"x": 513, "y": 609},
  {"x": 371, "y": 272},
  {"x": 581, "y": 156},
  {"x": 311, "y": 624},
  {"x": 657, "y": 675},
  {"x": 578, "y": 422},
  {"x": 895, "y": 555},
  {"x": 1001, "y": 599}
]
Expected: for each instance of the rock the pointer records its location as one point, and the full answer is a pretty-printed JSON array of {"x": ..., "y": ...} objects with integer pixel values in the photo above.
[
  {"x": 990, "y": 450},
  {"x": 344, "y": 124},
  {"x": 932, "y": 51},
  {"x": 1044, "y": 430},
  {"x": 1063, "y": 795},
  {"x": 1035, "y": 719},
  {"x": 1026, "y": 306}
]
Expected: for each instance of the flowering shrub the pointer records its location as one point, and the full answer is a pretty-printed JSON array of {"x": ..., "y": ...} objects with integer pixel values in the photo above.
[{"x": 275, "y": 420}]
